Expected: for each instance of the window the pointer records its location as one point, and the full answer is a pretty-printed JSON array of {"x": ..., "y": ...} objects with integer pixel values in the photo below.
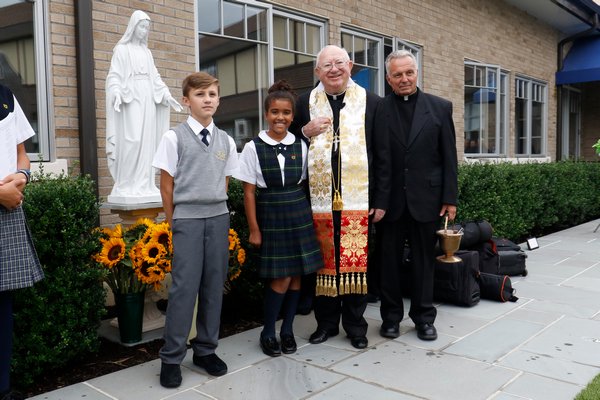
[
  {"x": 247, "y": 46},
  {"x": 485, "y": 109},
  {"x": 398, "y": 44},
  {"x": 22, "y": 67},
  {"x": 366, "y": 53},
  {"x": 530, "y": 117}
]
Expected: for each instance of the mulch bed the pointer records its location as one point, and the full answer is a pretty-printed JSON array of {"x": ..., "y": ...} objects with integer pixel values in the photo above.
[{"x": 113, "y": 357}]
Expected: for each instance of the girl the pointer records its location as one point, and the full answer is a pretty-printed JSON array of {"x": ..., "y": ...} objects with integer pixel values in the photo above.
[{"x": 273, "y": 169}]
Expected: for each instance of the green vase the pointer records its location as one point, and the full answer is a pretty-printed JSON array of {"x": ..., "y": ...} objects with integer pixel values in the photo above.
[{"x": 130, "y": 314}]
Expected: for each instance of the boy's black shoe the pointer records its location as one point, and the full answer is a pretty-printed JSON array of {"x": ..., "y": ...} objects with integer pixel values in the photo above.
[
  {"x": 170, "y": 375},
  {"x": 270, "y": 346},
  {"x": 211, "y": 363},
  {"x": 288, "y": 344}
]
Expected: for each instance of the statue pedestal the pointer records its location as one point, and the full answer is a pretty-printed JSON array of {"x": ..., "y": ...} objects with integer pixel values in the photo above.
[
  {"x": 134, "y": 201},
  {"x": 130, "y": 213}
]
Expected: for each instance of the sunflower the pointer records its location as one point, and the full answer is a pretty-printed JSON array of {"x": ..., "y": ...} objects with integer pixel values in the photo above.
[
  {"x": 113, "y": 251},
  {"x": 241, "y": 256},
  {"x": 143, "y": 272},
  {"x": 153, "y": 251},
  {"x": 117, "y": 232},
  {"x": 165, "y": 264},
  {"x": 162, "y": 234},
  {"x": 135, "y": 254}
]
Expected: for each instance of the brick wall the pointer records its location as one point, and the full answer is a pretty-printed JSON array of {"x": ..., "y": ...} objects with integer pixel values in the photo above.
[{"x": 486, "y": 31}]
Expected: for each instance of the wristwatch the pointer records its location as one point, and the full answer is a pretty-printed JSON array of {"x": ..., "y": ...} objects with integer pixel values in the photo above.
[{"x": 25, "y": 172}]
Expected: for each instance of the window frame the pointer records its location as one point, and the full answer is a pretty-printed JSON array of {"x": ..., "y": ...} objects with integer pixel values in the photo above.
[
  {"x": 530, "y": 97},
  {"x": 40, "y": 54},
  {"x": 501, "y": 109},
  {"x": 44, "y": 95},
  {"x": 379, "y": 39},
  {"x": 267, "y": 43}
]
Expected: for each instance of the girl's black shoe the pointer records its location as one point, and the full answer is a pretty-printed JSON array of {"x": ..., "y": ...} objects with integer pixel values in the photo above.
[
  {"x": 270, "y": 346},
  {"x": 288, "y": 344}
]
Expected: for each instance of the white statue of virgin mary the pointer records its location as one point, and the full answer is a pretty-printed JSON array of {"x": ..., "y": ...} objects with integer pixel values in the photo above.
[{"x": 137, "y": 115}]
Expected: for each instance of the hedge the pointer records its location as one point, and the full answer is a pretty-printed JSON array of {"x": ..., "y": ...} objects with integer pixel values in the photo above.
[
  {"x": 56, "y": 321},
  {"x": 522, "y": 200}
]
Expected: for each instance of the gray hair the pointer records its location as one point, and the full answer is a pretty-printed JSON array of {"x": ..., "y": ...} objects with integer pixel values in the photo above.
[
  {"x": 331, "y": 46},
  {"x": 400, "y": 54}
]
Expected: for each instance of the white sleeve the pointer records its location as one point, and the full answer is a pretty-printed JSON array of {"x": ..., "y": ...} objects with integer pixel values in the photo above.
[
  {"x": 23, "y": 127},
  {"x": 248, "y": 164},
  {"x": 233, "y": 164},
  {"x": 166, "y": 156},
  {"x": 304, "y": 161}
]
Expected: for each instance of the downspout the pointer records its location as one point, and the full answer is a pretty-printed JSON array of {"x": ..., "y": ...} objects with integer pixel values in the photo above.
[
  {"x": 559, "y": 94},
  {"x": 86, "y": 98}
]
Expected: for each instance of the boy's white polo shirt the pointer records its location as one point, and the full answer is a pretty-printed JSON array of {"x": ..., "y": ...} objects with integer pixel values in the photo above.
[{"x": 166, "y": 156}]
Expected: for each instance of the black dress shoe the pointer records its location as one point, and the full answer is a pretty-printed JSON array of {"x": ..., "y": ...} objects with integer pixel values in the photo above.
[
  {"x": 211, "y": 363},
  {"x": 390, "y": 330},
  {"x": 359, "y": 342},
  {"x": 270, "y": 346},
  {"x": 170, "y": 375},
  {"x": 321, "y": 335},
  {"x": 426, "y": 332},
  {"x": 288, "y": 344}
]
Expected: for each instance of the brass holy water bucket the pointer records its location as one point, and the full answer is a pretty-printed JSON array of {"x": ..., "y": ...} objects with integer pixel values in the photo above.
[{"x": 449, "y": 242}]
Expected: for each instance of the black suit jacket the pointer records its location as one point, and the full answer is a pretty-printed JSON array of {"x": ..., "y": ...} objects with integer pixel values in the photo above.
[
  {"x": 377, "y": 148},
  {"x": 424, "y": 165}
]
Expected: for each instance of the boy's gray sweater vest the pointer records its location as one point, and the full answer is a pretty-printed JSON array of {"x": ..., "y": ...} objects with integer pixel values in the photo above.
[{"x": 199, "y": 181}]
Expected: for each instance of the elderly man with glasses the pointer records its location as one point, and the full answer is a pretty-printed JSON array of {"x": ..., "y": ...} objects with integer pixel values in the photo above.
[{"x": 349, "y": 179}]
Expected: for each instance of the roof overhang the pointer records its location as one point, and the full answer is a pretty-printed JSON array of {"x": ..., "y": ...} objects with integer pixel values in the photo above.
[{"x": 582, "y": 63}]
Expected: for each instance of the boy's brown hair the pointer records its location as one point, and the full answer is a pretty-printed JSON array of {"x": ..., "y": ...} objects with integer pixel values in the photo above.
[{"x": 198, "y": 80}]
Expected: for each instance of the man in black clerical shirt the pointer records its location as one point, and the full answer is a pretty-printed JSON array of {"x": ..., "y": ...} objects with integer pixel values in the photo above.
[
  {"x": 349, "y": 186},
  {"x": 423, "y": 188}
]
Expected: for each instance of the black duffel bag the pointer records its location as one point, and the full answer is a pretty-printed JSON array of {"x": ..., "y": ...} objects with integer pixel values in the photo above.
[
  {"x": 474, "y": 233},
  {"x": 496, "y": 287}
]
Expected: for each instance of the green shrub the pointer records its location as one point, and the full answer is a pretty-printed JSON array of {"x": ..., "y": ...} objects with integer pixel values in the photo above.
[
  {"x": 522, "y": 200},
  {"x": 247, "y": 290},
  {"x": 56, "y": 321}
]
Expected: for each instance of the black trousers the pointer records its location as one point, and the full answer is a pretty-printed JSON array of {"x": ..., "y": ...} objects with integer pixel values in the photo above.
[
  {"x": 349, "y": 307},
  {"x": 391, "y": 239}
]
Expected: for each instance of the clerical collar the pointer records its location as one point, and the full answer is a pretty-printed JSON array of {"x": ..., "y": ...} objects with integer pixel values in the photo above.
[
  {"x": 409, "y": 97},
  {"x": 335, "y": 96}
]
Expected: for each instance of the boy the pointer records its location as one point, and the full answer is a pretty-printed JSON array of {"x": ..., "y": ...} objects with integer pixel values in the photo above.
[
  {"x": 196, "y": 160},
  {"x": 19, "y": 264}
]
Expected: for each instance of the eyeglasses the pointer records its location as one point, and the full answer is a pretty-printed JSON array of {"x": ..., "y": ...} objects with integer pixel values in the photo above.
[{"x": 339, "y": 64}]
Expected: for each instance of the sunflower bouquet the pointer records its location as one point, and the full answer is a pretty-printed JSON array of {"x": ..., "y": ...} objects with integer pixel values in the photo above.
[
  {"x": 136, "y": 257},
  {"x": 237, "y": 258}
]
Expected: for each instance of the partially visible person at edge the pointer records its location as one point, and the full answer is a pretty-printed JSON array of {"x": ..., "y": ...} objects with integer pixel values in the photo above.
[
  {"x": 19, "y": 264},
  {"x": 348, "y": 169},
  {"x": 273, "y": 169},
  {"x": 196, "y": 160},
  {"x": 424, "y": 189}
]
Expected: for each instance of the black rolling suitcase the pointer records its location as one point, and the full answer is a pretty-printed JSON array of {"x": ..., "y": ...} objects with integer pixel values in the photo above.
[
  {"x": 503, "y": 244},
  {"x": 456, "y": 282},
  {"x": 489, "y": 261},
  {"x": 512, "y": 262}
]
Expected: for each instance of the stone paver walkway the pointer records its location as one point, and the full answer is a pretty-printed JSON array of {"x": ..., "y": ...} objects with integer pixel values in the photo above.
[{"x": 546, "y": 346}]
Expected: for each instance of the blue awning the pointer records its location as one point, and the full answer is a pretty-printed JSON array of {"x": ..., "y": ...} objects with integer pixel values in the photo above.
[{"x": 582, "y": 64}]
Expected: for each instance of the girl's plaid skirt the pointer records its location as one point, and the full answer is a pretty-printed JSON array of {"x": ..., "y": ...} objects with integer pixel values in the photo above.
[
  {"x": 19, "y": 264},
  {"x": 289, "y": 244}
]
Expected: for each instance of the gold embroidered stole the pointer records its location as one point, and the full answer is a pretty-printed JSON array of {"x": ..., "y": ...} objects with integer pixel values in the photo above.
[{"x": 355, "y": 192}]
